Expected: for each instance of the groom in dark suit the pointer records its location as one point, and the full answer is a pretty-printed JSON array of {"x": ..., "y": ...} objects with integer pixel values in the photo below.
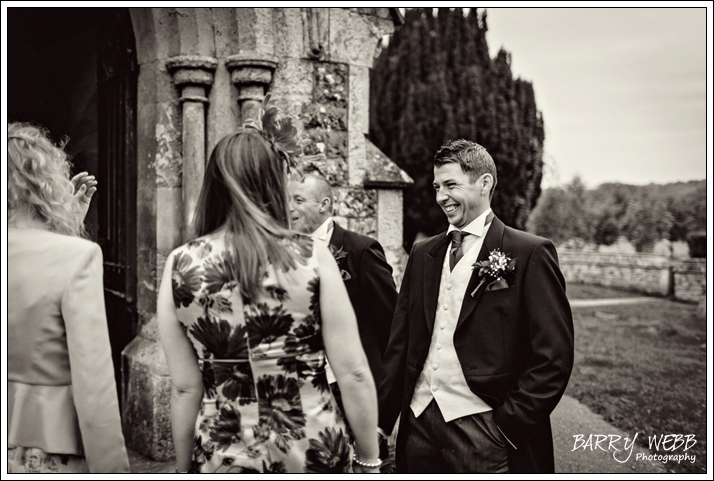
[
  {"x": 478, "y": 356},
  {"x": 365, "y": 271}
]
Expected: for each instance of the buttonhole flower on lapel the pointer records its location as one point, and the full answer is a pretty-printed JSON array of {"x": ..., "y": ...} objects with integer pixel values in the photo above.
[
  {"x": 339, "y": 256},
  {"x": 491, "y": 270}
]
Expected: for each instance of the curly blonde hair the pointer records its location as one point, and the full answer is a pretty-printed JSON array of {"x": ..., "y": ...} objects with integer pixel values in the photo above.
[{"x": 38, "y": 180}]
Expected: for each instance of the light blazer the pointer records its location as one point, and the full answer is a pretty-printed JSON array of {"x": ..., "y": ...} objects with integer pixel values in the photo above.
[
  {"x": 61, "y": 391},
  {"x": 515, "y": 345},
  {"x": 371, "y": 290}
]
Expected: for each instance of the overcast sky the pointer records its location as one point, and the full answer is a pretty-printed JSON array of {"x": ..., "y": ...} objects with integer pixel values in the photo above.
[{"x": 622, "y": 91}]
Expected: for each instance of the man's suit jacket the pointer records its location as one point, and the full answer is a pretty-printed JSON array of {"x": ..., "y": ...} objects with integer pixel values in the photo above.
[
  {"x": 371, "y": 290},
  {"x": 515, "y": 345},
  {"x": 61, "y": 393}
]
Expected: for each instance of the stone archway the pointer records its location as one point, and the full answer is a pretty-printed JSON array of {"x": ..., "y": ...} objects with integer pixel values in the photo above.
[
  {"x": 90, "y": 100},
  {"x": 116, "y": 142}
]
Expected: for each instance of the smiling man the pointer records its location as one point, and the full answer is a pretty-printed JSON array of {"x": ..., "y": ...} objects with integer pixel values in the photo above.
[
  {"x": 481, "y": 346},
  {"x": 365, "y": 271}
]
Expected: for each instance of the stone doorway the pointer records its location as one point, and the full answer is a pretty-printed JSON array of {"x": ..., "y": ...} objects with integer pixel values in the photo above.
[{"x": 74, "y": 71}]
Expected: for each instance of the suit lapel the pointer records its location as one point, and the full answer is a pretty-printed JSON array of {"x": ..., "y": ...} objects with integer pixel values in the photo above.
[
  {"x": 493, "y": 240},
  {"x": 433, "y": 263}
]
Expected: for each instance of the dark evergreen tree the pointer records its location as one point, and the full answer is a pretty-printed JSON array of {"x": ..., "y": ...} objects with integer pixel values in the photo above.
[{"x": 436, "y": 82}]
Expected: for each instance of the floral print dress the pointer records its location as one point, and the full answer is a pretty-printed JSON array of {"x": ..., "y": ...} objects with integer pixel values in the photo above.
[{"x": 267, "y": 404}]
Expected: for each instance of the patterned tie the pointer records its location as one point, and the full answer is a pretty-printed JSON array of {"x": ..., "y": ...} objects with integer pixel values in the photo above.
[{"x": 457, "y": 252}]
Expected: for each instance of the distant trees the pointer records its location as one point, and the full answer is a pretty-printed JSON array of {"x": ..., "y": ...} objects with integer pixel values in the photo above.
[
  {"x": 436, "y": 82},
  {"x": 642, "y": 214},
  {"x": 646, "y": 220},
  {"x": 562, "y": 213}
]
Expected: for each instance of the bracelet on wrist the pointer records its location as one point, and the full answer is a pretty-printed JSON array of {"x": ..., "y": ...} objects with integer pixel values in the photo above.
[
  {"x": 378, "y": 464},
  {"x": 180, "y": 472}
]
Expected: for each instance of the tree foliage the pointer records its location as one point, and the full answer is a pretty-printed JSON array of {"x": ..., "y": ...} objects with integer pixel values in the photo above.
[
  {"x": 646, "y": 220},
  {"x": 436, "y": 82},
  {"x": 642, "y": 214}
]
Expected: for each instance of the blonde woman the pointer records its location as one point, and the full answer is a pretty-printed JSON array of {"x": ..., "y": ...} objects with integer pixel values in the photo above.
[
  {"x": 247, "y": 312},
  {"x": 63, "y": 412}
]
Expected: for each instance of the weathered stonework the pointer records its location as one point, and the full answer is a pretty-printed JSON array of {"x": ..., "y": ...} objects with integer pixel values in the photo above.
[
  {"x": 193, "y": 75},
  {"x": 327, "y": 117},
  {"x": 690, "y": 279},
  {"x": 389, "y": 220},
  {"x": 292, "y": 87},
  {"x": 355, "y": 202},
  {"x": 288, "y": 32},
  {"x": 359, "y": 90},
  {"x": 333, "y": 145},
  {"x": 146, "y": 403},
  {"x": 169, "y": 223},
  {"x": 639, "y": 272},
  {"x": 331, "y": 84},
  {"x": 223, "y": 114},
  {"x": 650, "y": 274},
  {"x": 355, "y": 37},
  {"x": 251, "y": 73},
  {"x": 382, "y": 172},
  {"x": 249, "y": 68},
  {"x": 356, "y": 157},
  {"x": 377, "y": 12},
  {"x": 194, "y": 30},
  {"x": 255, "y": 30},
  {"x": 167, "y": 159},
  {"x": 363, "y": 225}
]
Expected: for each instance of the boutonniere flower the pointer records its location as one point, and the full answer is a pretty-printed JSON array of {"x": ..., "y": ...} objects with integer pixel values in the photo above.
[
  {"x": 339, "y": 256},
  {"x": 493, "y": 269}
]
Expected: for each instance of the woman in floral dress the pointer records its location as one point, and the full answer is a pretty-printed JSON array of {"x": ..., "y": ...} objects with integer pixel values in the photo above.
[{"x": 247, "y": 312}]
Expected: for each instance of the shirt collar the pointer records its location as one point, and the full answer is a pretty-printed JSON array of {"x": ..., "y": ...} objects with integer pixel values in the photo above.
[
  {"x": 323, "y": 232},
  {"x": 475, "y": 227}
]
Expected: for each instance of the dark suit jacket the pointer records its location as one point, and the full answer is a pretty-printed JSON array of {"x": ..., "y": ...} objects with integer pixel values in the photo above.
[
  {"x": 372, "y": 292},
  {"x": 515, "y": 344}
]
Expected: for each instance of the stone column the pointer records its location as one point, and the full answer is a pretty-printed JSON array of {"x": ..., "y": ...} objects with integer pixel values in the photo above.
[
  {"x": 252, "y": 73},
  {"x": 193, "y": 75}
]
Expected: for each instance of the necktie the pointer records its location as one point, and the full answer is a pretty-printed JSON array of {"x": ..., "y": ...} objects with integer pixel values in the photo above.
[{"x": 457, "y": 252}]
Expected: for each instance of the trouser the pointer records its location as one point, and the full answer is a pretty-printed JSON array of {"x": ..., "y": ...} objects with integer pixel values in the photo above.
[{"x": 470, "y": 444}]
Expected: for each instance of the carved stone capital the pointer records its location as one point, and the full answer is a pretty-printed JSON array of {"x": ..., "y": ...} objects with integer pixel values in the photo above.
[
  {"x": 251, "y": 73},
  {"x": 192, "y": 71},
  {"x": 251, "y": 68}
]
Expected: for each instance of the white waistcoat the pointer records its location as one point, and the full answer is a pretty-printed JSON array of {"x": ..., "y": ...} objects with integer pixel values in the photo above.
[{"x": 442, "y": 378}]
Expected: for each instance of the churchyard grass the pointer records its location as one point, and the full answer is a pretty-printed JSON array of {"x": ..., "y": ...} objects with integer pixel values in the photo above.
[{"x": 643, "y": 368}]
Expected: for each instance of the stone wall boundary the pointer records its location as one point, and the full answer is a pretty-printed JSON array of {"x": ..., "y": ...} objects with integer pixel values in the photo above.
[
  {"x": 683, "y": 280},
  {"x": 690, "y": 279}
]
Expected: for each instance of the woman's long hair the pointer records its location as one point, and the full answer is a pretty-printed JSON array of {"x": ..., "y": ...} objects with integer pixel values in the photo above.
[
  {"x": 38, "y": 180},
  {"x": 245, "y": 188}
]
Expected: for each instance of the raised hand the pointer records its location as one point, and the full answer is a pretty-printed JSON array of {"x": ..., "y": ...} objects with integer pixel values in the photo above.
[{"x": 85, "y": 186}]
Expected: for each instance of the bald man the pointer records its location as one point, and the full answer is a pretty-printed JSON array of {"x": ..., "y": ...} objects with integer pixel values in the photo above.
[{"x": 365, "y": 271}]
